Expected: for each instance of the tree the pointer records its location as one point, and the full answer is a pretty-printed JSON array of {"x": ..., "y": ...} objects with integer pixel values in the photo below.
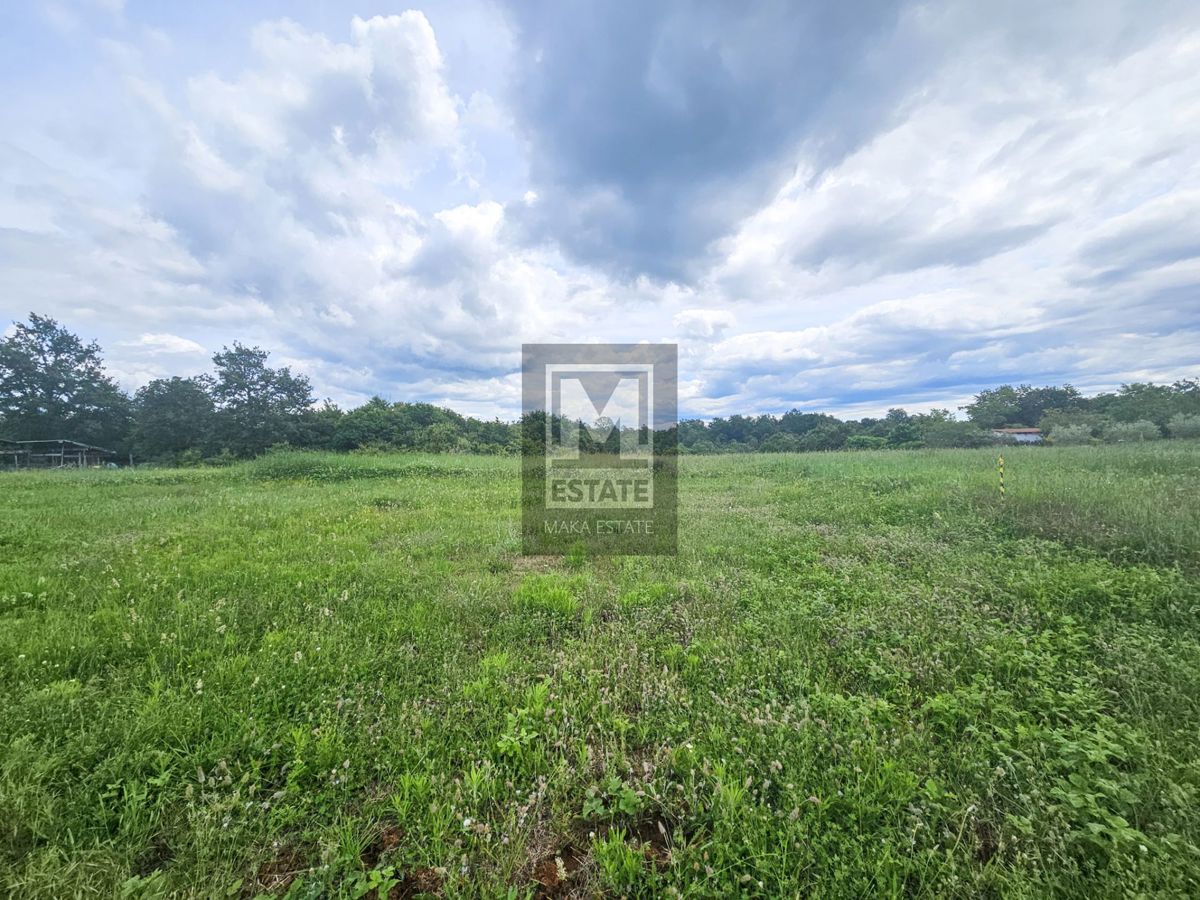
[
  {"x": 170, "y": 416},
  {"x": 865, "y": 442},
  {"x": 373, "y": 423},
  {"x": 903, "y": 433},
  {"x": 52, "y": 385},
  {"x": 994, "y": 408},
  {"x": 257, "y": 406},
  {"x": 1033, "y": 403},
  {"x": 825, "y": 437},
  {"x": 1154, "y": 402},
  {"x": 782, "y": 442},
  {"x": 1022, "y": 405},
  {"x": 318, "y": 428},
  {"x": 442, "y": 437},
  {"x": 800, "y": 423}
]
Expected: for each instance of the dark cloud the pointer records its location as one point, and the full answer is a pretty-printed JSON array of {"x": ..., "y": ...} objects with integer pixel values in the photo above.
[{"x": 655, "y": 127}]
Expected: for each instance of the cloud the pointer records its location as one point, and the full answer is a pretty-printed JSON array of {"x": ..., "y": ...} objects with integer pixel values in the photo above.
[
  {"x": 703, "y": 323},
  {"x": 654, "y": 128},
  {"x": 828, "y": 209},
  {"x": 168, "y": 343}
]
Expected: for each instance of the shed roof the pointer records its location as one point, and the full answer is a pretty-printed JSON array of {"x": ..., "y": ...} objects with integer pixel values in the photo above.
[{"x": 77, "y": 445}]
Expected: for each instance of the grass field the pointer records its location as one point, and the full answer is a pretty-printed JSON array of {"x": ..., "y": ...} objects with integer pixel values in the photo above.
[{"x": 864, "y": 674}]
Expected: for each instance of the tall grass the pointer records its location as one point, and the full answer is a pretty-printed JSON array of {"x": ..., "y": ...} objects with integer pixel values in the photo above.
[{"x": 864, "y": 674}]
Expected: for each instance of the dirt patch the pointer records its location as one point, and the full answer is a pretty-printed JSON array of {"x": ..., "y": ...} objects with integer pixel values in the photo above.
[
  {"x": 989, "y": 841},
  {"x": 654, "y": 839},
  {"x": 154, "y": 857},
  {"x": 388, "y": 839},
  {"x": 419, "y": 883},
  {"x": 553, "y": 873},
  {"x": 545, "y": 563},
  {"x": 277, "y": 874}
]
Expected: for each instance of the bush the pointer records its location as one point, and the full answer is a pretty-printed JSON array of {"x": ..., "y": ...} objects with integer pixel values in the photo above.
[
  {"x": 1127, "y": 432},
  {"x": 781, "y": 443},
  {"x": 957, "y": 434},
  {"x": 1183, "y": 426},
  {"x": 280, "y": 464},
  {"x": 1072, "y": 434},
  {"x": 865, "y": 442}
]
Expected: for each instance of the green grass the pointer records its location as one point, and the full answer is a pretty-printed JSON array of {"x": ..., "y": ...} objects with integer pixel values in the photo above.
[{"x": 864, "y": 674}]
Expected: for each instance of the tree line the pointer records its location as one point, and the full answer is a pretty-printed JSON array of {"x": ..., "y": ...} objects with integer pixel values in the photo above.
[
  {"x": 53, "y": 385},
  {"x": 1135, "y": 412}
]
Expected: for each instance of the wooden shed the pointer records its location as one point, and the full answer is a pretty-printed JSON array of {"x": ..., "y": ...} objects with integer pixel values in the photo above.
[{"x": 53, "y": 454}]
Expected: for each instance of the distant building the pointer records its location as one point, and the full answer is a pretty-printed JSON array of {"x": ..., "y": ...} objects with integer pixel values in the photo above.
[
  {"x": 56, "y": 454},
  {"x": 1019, "y": 435}
]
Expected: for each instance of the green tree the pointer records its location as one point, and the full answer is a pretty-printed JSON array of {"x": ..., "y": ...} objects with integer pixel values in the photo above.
[
  {"x": 373, "y": 423},
  {"x": 442, "y": 437},
  {"x": 170, "y": 416},
  {"x": 865, "y": 442},
  {"x": 826, "y": 436},
  {"x": 995, "y": 408},
  {"x": 800, "y": 423},
  {"x": 257, "y": 406},
  {"x": 317, "y": 428},
  {"x": 1154, "y": 402},
  {"x": 782, "y": 442},
  {"x": 904, "y": 434},
  {"x": 53, "y": 385},
  {"x": 1033, "y": 403}
]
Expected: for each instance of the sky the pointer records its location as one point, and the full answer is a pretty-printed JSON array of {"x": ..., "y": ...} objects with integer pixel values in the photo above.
[{"x": 831, "y": 207}]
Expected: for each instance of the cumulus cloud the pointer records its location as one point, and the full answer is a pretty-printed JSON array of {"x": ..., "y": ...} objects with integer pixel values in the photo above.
[{"x": 703, "y": 323}]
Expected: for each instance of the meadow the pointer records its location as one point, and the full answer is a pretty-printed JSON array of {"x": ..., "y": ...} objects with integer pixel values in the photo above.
[{"x": 864, "y": 674}]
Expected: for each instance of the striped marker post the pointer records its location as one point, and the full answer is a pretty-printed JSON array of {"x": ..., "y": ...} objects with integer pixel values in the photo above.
[{"x": 1000, "y": 466}]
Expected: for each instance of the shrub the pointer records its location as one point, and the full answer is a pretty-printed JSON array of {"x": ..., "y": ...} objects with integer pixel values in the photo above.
[
  {"x": 1072, "y": 434},
  {"x": 317, "y": 466},
  {"x": 865, "y": 442},
  {"x": 1125, "y": 432},
  {"x": 781, "y": 443},
  {"x": 906, "y": 435},
  {"x": 1184, "y": 426},
  {"x": 957, "y": 434}
]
